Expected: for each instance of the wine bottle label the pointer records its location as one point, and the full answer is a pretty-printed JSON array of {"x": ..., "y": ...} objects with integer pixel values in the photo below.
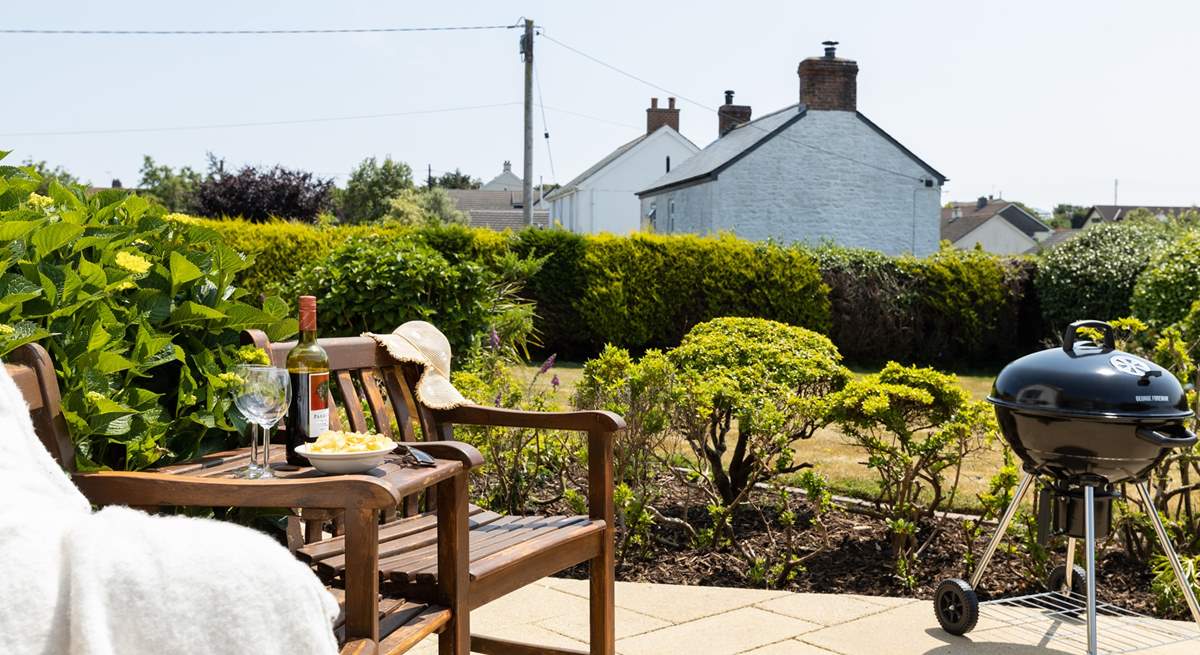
[{"x": 313, "y": 394}]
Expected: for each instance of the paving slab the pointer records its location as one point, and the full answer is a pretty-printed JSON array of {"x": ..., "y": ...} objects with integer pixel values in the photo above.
[
  {"x": 727, "y": 633},
  {"x": 665, "y": 601},
  {"x": 911, "y": 629},
  {"x": 825, "y": 609},
  {"x": 789, "y": 647}
]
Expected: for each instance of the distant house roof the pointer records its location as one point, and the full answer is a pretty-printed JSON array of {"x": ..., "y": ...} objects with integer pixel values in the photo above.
[
  {"x": 498, "y": 210},
  {"x": 505, "y": 181},
  {"x": 960, "y": 218},
  {"x": 743, "y": 139},
  {"x": 1056, "y": 238},
  {"x": 598, "y": 166},
  {"x": 1118, "y": 212}
]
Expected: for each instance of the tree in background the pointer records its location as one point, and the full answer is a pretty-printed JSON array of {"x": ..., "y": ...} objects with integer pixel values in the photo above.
[
  {"x": 258, "y": 195},
  {"x": 48, "y": 175},
  {"x": 424, "y": 207},
  {"x": 1067, "y": 216},
  {"x": 457, "y": 179},
  {"x": 175, "y": 190},
  {"x": 370, "y": 189}
]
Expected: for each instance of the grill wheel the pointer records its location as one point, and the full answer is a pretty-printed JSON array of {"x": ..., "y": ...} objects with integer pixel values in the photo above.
[{"x": 956, "y": 606}]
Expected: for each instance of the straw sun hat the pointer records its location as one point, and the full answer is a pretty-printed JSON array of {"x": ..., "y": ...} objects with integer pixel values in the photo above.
[{"x": 421, "y": 343}]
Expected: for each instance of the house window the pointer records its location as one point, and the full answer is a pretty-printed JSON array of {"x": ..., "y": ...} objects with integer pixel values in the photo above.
[
  {"x": 671, "y": 216},
  {"x": 668, "y": 163},
  {"x": 649, "y": 223}
]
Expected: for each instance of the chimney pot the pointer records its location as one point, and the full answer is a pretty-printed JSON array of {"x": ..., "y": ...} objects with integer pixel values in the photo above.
[
  {"x": 507, "y": 166},
  {"x": 116, "y": 183},
  {"x": 657, "y": 117},
  {"x": 828, "y": 83},
  {"x": 730, "y": 115},
  {"x": 981, "y": 203}
]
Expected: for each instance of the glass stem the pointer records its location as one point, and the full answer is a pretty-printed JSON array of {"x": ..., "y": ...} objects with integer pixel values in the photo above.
[
  {"x": 266, "y": 449},
  {"x": 253, "y": 446}
]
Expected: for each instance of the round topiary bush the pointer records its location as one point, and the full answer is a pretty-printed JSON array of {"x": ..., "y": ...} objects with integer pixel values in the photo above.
[
  {"x": 1093, "y": 275},
  {"x": 1170, "y": 284}
]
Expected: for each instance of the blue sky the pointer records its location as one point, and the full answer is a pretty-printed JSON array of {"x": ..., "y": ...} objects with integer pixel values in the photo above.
[{"x": 1042, "y": 102}]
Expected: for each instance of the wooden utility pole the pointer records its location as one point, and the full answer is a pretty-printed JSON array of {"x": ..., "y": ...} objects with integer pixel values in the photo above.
[{"x": 527, "y": 178}]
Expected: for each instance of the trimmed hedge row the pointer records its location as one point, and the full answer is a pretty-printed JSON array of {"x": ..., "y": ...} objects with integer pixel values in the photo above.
[{"x": 646, "y": 291}]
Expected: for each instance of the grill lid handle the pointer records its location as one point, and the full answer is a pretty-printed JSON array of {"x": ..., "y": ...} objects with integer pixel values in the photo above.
[
  {"x": 1170, "y": 436},
  {"x": 1069, "y": 335}
]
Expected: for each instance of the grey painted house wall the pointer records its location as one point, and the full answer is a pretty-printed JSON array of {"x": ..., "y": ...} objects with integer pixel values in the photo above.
[{"x": 789, "y": 192}]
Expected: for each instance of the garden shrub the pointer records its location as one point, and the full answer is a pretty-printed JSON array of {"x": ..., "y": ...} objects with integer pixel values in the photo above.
[
  {"x": 870, "y": 299},
  {"x": 1166, "y": 289},
  {"x": 557, "y": 289},
  {"x": 140, "y": 316},
  {"x": 375, "y": 283},
  {"x": 773, "y": 379},
  {"x": 1092, "y": 276},
  {"x": 915, "y": 425},
  {"x": 647, "y": 291},
  {"x": 960, "y": 297}
]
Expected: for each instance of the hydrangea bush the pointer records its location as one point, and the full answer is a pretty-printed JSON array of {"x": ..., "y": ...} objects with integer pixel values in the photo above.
[
  {"x": 139, "y": 314},
  {"x": 1170, "y": 284}
]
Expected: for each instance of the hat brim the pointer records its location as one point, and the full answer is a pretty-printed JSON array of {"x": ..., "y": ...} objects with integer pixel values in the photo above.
[{"x": 434, "y": 390}]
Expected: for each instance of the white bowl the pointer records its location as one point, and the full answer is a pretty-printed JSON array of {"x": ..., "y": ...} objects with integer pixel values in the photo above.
[{"x": 359, "y": 462}]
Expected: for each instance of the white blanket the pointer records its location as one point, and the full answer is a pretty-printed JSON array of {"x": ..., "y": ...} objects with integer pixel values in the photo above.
[{"x": 119, "y": 581}]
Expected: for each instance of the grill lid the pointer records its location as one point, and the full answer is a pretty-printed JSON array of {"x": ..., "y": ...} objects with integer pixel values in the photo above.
[{"x": 1093, "y": 380}]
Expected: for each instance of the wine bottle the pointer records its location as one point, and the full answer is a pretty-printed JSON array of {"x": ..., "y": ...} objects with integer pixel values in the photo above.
[{"x": 308, "y": 368}]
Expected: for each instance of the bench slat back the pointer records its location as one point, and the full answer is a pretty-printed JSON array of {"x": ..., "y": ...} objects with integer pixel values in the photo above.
[{"x": 32, "y": 370}]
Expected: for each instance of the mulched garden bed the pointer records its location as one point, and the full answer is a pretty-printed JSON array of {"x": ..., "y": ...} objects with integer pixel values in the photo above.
[{"x": 856, "y": 558}]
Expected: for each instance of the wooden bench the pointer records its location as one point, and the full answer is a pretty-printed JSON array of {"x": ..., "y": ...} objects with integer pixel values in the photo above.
[
  {"x": 368, "y": 624},
  {"x": 505, "y": 552}
]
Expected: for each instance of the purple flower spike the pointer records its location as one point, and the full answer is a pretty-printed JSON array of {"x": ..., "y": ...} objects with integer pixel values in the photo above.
[
  {"x": 495, "y": 339},
  {"x": 548, "y": 363},
  {"x": 497, "y": 401},
  {"x": 554, "y": 381}
]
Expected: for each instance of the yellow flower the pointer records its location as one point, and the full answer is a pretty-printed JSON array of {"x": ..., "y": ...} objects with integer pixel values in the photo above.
[
  {"x": 230, "y": 380},
  {"x": 94, "y": 396},
  {"x": 6, "y": 330},
  {"x": 132, "y": 263},
  {"x": 252, "y": 355},
  {"x": 124, "y": 284},
  {"x": 38, "y": 201}
]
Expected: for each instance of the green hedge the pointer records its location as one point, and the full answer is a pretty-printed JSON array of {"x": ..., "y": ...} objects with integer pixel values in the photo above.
[
  {"x": 1170, "y": 284},
  {"x": 646, "y": 291}
]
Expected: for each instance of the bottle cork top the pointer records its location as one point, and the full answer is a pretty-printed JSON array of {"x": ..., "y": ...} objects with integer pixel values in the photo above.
[{"x": 308, "y": 313}]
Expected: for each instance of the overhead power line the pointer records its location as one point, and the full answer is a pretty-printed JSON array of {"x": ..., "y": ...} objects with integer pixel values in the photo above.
[
  {"x": 346, "y": 30},
  {"x": 537, "y": 77},
  {"x": 297, "y": 121},
  {"x": 702, "y": 105}
]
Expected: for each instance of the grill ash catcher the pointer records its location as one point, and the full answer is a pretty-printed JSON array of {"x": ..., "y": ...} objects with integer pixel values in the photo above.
[{"x": 1082, "y": 418}]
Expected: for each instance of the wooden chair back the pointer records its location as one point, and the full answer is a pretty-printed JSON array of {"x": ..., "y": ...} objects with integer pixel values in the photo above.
[
  {"x": 373, "y": 390},
  {"x": 30, "y": 367}
]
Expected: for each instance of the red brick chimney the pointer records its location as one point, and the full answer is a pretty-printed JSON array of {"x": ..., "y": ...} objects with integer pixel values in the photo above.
[
  {"x": 828, "y": 83},
  {"x": 730, "y": 115},
  {"x": 656, "y": 117}
]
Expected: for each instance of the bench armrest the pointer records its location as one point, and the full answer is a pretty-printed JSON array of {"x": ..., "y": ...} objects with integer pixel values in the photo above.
[
  {"x": 160, "y": 489},
  {"x": 580, "y": 421}
]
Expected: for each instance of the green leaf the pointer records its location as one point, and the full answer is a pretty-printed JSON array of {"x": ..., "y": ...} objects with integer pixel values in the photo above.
[
  {"x": 91, "y": 274},
  {"x": 182, "y": 270},
  {"x": 98, "y": 337},
  {"x": 15, "y": 289},
  {"x": 110, "y": 362},
  {"x": 54, "y": 236},
  {"x": 193, "y": 312},
  {"x": 23, "y": 332},
  {"x": 63, "y": 196},
  {"x": 13, "y": 230}
]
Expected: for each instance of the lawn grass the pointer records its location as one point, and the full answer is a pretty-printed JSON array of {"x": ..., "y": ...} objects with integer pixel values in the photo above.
[{"x": 830, "y": 453}]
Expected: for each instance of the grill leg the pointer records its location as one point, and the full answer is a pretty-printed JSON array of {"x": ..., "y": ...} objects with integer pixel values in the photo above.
[
  {"x": 1169, "y": 550},
  {"x": 1002, "y": 528},
  {"x": 1089, "y": 519},
  {"x": 1070, "y": 563}
]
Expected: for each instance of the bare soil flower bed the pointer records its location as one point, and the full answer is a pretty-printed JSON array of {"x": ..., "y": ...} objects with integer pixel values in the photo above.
[{"x": 851, "y": 557}]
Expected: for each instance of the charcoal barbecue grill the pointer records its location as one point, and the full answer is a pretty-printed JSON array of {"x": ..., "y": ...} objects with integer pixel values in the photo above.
[{"x": 1083, "y": 418}]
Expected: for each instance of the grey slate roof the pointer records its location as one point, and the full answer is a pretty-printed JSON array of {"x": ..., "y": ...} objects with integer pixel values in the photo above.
[
  {"x": 972, "y": 216},
  {"x": 1058, "y": 238},
  {"x": 594, "y": 168},
  {"x": 744, "y": 138},
  {"x": 498, "y": 210},
  {"x": 507, "y": 219}
]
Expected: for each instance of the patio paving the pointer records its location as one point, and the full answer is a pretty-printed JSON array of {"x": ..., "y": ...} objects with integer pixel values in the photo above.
[{"x": 654, "y": 619}]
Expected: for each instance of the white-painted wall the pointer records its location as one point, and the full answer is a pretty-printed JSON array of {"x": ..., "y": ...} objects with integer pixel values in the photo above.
[
  {"x": 998, "y": 236},
  {"x": 787, "y": 191},
  {"x": 606, "y": 201}
]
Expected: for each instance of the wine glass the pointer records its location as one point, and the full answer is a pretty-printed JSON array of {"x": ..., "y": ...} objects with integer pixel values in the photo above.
[{"x": 262, "y": 397}]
